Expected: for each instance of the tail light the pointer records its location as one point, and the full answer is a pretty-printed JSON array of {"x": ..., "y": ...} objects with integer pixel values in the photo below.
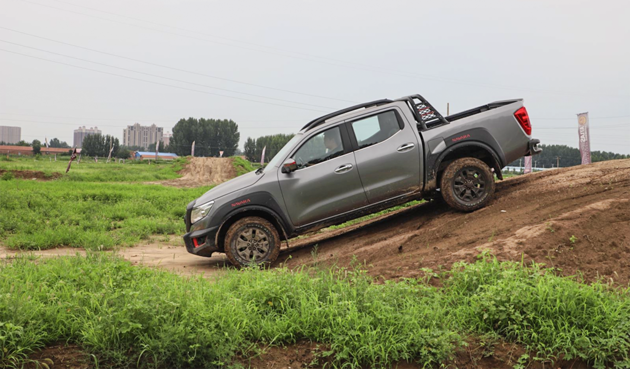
[{"x": 523, "y": 119}]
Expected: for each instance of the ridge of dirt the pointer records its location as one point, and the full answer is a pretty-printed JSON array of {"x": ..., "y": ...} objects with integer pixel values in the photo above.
[
  {"x": 32, "y": 174},
  {"x": 574, "y": 219},
  {"x": 202, "y": 172}
]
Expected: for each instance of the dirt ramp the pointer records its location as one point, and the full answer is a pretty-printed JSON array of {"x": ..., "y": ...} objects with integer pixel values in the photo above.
[
  {"x": 574, "y": 219},
  {"x": 204, "y": 172}
]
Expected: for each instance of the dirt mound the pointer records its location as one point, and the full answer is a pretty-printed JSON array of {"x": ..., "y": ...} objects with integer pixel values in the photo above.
[
  {"x": 203, "y": 172},
  {"x": 574, "y": 219},
  {"x": 31, "y": 174}
]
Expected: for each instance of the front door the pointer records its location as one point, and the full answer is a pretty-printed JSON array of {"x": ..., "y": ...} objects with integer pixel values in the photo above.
[
  {"x": 326, "y": 182},
  {"x": 388, "y": 156}
]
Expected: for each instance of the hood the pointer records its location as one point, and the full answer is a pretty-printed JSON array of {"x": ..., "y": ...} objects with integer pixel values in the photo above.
[{"x": 230, "y": 186}]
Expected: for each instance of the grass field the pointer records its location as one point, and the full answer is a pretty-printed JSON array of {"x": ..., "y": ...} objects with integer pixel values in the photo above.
[
  {"x": 129, "y": 316},
  {"x": 90, "y": 171},
  {"x": 96, "y": 206}
]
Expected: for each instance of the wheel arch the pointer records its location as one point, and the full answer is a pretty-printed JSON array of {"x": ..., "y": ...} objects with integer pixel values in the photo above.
[
  {"x": 472, "y": 149},
  {"x": 250, "y": 211}
]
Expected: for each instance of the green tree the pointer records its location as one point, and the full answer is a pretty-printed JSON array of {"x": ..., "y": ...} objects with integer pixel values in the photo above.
[
  {"x": 162, "y": 147},
  {"x": 98, "y": 145},
  {"x": 568, "y": 156},
  {"x": 123, "y": 153},
  {"x": 273, "y": 144},
  {"x": 210, "y": 137},
  {"x": 59, "y": 144},
  {"x": 37, "y": 147}
]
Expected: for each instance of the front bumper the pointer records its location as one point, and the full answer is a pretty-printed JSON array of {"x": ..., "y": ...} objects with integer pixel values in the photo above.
[
  {"x": 533, "y": 148},
  {"x": 202, "y": 242}
]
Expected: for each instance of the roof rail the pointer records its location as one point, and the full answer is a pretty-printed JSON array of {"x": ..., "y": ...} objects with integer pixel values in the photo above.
[{"x": 322, "y": 119}]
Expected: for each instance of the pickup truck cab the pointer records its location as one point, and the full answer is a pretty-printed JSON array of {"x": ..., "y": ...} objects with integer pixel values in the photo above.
[{"x": 357, "y": 161}]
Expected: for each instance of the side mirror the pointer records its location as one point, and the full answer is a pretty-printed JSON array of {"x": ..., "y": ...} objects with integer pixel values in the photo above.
[{"x": 288, "y": 166}]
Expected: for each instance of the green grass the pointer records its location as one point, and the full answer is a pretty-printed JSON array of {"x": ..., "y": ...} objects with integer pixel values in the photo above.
[
  {"x": 241, "y": 165},
  {"x": 90, "y": 171},
  {"x": 95, "y": 205},
  {"x": 136, "y": 317},
  {"x": 40, "y": 215}
]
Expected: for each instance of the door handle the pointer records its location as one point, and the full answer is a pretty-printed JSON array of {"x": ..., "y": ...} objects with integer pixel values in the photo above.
[
  {"x": 344, "y": 168},
  {"x": 406, "y": 147}
]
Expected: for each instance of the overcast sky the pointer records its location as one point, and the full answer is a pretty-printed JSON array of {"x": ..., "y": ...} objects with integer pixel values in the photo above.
[{"x": 272, "y": 66}]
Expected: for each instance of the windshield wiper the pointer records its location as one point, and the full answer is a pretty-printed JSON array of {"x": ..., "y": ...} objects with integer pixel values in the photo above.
[{"x": 260, "y": 170}]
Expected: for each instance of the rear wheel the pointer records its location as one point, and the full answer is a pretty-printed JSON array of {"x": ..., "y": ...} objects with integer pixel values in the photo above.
[
  {"x": 467, "y": 184},
  {"x": 252, "y": 240}
]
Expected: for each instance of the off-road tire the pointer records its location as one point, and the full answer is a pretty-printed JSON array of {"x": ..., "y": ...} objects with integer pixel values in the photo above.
[
  {"x": 467, "y": 184},
  {"x": 244, "y": 248}
]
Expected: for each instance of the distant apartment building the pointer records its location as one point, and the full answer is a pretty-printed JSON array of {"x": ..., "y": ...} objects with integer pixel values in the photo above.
[
  {"x": 167, "y": 138},
  {"x": 82, "y": 133},
  {"x": 142, "y": 136},
  {"x": 10, "y": 135}
]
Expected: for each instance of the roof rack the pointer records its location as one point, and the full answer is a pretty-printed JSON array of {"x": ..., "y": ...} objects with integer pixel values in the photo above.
[
  {"x": 425, "y": 114},
  {"x": 321, "y": 120}
]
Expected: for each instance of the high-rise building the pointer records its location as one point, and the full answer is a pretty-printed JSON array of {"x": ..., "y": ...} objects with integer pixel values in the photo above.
[
  {"x": 166, "y": 138},
  {"x": 142, "y": 136},
  {"x": 82, "y": 132},
  {"x": 10, "y": 135}
]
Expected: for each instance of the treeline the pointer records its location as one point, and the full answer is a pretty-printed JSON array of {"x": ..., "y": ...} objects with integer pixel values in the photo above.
[
  {"x": 53, "y": 143},
  {"x": 210, "y": 136},
  {"x": 254, "y": 146},
  {"x": 569, "y": 156},
  {"x": 98, "y": 145}
]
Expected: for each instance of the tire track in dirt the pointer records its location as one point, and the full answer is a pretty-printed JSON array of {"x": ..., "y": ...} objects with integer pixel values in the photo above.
[{"x": 576, "y": 219}]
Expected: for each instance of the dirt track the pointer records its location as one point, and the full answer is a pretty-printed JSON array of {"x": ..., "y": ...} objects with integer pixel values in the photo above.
[
  {"x": 533, "y": 216},
  {"x": 203, "y": 172}
]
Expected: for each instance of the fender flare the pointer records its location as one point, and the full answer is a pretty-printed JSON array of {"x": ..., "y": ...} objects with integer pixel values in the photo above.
[
  {"x": 432, "y": 182},
  {"x": 244, "y": 209}
]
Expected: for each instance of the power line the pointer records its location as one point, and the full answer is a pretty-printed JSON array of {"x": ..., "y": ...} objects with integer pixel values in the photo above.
[
  {"x": 139, "y": 120},
  {"x": 373, "y": 69},
  {"x": 158, "y": 83},
  {"x": 173, "y": 68},
  {"x": 119, "y": 126},
  {"x": 158, "y": 76}
]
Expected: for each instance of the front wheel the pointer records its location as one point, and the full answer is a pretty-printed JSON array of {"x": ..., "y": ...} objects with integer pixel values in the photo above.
[
  {"x": 467, "y": 184},
  {"x": 252, "y": 240}
]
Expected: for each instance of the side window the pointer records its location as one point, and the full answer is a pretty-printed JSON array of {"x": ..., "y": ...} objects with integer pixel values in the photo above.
[
  {"x": 321, "y": 147},
  {"x": 374, "y": 129}
]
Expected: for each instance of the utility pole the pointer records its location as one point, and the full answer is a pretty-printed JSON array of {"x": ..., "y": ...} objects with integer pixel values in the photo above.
[
  {"x": 448, "y": 109},
  {"x": 557, "y": 162}
]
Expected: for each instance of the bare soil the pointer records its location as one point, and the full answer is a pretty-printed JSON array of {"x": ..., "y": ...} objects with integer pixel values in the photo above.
[
  {"x": 32, "y": 174},
  {"x": 574, "y": 219},
  {"x": 203, "y": 172}
]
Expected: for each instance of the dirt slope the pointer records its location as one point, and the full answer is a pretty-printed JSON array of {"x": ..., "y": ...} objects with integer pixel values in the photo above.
[
  {"x": 203, "y": 172},
  {"x": 575, "y": 219}
]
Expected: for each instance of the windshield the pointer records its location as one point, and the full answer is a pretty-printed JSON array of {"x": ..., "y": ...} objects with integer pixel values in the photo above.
[{"x": 277, "y": 160}]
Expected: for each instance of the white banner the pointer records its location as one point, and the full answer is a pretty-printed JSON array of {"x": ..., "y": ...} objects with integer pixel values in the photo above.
[
  {"x": 192, "y": 150},
  {"x": 585, "y": 139},
  {"x": 528, "y": 165},
  {"x": 262, "y": 157}
]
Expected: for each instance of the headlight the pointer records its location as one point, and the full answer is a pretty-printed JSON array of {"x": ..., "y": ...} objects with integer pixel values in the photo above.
[{"x": 200, "y": 211}]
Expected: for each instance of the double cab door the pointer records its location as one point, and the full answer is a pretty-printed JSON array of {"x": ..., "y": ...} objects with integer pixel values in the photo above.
[{"x": 351, "y": 165}]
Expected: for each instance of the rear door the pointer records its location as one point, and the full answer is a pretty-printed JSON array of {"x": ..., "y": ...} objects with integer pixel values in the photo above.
[
  {"x": 387, "y": 154},
  {"x": 326, "y": 182}
]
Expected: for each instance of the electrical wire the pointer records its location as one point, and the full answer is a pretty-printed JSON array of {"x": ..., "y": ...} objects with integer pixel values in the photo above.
[{"x": 161, "y": 84}]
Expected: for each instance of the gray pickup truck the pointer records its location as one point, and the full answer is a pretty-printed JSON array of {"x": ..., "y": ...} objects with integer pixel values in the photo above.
[{"x": 357, "y": 161}]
